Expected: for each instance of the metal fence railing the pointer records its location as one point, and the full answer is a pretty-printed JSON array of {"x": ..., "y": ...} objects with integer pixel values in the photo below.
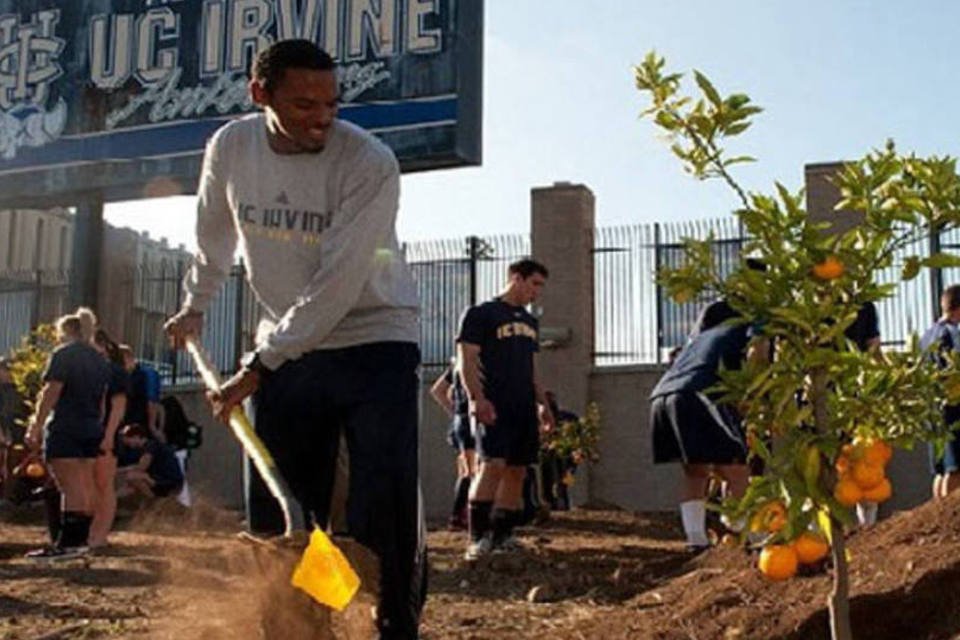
[
  {"x": 452, "y": 275},
  {"x": 28, "y": 298},
  {"x": 635, "y": 322}
]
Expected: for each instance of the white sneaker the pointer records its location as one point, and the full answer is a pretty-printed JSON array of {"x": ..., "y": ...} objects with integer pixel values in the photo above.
[
  {"x": 478, "y": 549},
  {"x": 57, "y": 554}
]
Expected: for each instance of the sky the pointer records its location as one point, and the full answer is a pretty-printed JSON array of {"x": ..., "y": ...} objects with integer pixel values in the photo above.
[{"x": 836, "y": 78}]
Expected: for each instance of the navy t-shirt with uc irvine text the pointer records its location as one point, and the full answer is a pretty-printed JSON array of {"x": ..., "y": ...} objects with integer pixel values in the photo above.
[{"x": 508, "y": 338}]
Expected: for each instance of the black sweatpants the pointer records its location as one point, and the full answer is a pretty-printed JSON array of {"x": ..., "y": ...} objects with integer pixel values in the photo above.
[{"x": 370, "y": 393}]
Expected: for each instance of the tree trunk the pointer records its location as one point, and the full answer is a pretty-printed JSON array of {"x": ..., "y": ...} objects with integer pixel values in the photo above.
[{"x": 839, "y": 601}]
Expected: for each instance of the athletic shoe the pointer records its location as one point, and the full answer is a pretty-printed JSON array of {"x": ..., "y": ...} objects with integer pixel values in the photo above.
[
  {"x": 56, "y": 554},
  {"x": 478, "y": 549},
  {"x": 508, "y": 545}
]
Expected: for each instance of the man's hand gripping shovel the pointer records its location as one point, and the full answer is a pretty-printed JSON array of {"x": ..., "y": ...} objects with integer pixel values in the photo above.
[{"x": 323, "y": 572}]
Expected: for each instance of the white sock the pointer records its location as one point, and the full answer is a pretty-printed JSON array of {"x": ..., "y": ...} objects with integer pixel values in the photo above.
[
  {"x": 866, "y": 513},
  {"x": 693, "y": 513}
]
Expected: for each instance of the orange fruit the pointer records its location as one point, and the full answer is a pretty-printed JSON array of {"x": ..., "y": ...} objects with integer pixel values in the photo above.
[
  {"x": 778, "y": 561},
  {"x": 842, "y": 465},
  {"x": 34, "y": 470},
  {"x": 877, "y": 452},
  {"x": 866, "y": 475},
  {"x": 770, "y": 517},
  {"x": 829, "y": 269},
  {"x": 810, "y": 547},
  {"x": 847, "y": 492},
  {"x": 879, "y": 493}
]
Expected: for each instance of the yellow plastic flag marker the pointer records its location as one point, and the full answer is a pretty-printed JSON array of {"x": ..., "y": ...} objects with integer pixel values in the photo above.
[{"x": 324, "y": 573}]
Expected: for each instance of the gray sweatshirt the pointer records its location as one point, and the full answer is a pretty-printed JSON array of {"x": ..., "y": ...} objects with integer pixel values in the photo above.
[{"x": 317, "y": 234}]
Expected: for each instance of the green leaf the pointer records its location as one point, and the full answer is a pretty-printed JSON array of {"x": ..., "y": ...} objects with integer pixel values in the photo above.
[
  {"x": 942, "y": 261},
  {"x": 708, "y": 89},
  {"x": 736, "y": 128},
  {"x": 911, "y": 268}
]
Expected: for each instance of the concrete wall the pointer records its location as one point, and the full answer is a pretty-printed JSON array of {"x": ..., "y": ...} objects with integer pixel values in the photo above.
[
  {"x": 215, "y": 469},
  {"x": 625, "y": 475}
]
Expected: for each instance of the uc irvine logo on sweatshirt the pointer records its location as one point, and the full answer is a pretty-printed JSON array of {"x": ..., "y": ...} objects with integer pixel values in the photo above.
[{"x": 280, "y": 221}]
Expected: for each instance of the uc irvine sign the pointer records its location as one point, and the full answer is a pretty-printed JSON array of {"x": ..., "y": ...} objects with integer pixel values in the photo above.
[{"x": 110, "y": 98}]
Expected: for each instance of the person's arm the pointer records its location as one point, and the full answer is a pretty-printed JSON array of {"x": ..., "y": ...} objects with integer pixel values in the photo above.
[
  {"x": 216, "y": 242},
  {"x": 440, "y": 392},
  {"x": 144, "y": 462},
  {"x": 468, "y": 355},
  {"x": 152, "y": 380},
  {"x": 548, "y": 422},
  {"x": 118, "y": 407},
  {"x": 46, "y": 401},
  {"x": 369, "y": 210}
]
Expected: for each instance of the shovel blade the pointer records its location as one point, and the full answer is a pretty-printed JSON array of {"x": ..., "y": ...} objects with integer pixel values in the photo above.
[{"x": 325, "y": 574}]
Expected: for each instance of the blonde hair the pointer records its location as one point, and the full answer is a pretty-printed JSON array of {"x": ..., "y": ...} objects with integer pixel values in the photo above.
[
  {"x": 88, "y": 323},
  {"x": 69, "y": 326}
]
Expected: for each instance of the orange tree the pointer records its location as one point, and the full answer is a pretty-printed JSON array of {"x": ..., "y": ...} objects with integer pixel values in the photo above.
[
  {"x": 29, "y": 361},
  {"x": 831, "y": 410}
]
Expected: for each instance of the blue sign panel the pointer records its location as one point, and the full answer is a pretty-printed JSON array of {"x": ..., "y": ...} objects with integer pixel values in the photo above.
[{"x": 115, "y": 99}]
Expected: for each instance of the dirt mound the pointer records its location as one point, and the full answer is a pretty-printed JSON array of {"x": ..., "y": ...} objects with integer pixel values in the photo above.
[
  {"x": 583, "y": 574},
  {"x": 904, "y": 574}
]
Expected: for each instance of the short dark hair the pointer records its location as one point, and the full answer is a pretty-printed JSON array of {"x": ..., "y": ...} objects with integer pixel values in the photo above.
[
  {"x": 103, "y": 339},
  {"x": 134, "y": 430},
  {"x": 951, "y": 295},
  {"x": 272, "y": 62},
  {"x": 526, "y": 268}
]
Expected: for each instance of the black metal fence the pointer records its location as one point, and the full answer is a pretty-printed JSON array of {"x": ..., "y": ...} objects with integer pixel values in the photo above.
[
  {"x": 635, "y": 322},
  {"x": 28, "y": 298},
  {"x": 452, "y": 275}
]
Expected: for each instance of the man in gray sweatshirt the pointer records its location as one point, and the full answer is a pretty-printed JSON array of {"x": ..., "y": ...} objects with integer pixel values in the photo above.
[{"x": 312, "y": 201}]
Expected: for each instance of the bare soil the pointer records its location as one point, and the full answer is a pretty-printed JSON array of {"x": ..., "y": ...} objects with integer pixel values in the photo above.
[{"x": 171, "y": 573}]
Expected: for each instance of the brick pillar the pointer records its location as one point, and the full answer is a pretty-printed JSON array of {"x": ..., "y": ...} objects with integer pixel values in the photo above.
[{"x": 562, "y": 230}]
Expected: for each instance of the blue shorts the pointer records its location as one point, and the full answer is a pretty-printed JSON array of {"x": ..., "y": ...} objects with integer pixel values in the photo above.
[
  {"x": 514, "y": 437},
  {"x": 690, "y": 428},
  {"x": 58, "y": 444},
  {"x": 460, "y": 435}
]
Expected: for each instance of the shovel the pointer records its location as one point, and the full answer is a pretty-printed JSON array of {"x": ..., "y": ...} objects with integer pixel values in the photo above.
[{"x": 323, "y": 572}]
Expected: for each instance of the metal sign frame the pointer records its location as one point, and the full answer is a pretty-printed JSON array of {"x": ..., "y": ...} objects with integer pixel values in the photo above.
[{"x": 105, "y": 100}]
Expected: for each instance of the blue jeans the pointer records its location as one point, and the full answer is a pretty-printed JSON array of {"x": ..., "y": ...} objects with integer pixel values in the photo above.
[{"x": 369, "y": 393}]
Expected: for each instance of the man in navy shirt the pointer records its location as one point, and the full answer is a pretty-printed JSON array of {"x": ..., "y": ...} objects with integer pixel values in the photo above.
[
  {"x": 689, "y": 425},
  {"x": 496, "y": 346}
]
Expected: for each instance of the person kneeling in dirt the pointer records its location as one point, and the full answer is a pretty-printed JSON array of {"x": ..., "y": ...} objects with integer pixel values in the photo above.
[
  {"x": 157, "y": 472},
  {"x": 689, "y": 425}
]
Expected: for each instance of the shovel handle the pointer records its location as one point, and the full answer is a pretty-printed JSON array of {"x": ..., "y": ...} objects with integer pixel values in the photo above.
[{"x": 252, "y": 444}]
